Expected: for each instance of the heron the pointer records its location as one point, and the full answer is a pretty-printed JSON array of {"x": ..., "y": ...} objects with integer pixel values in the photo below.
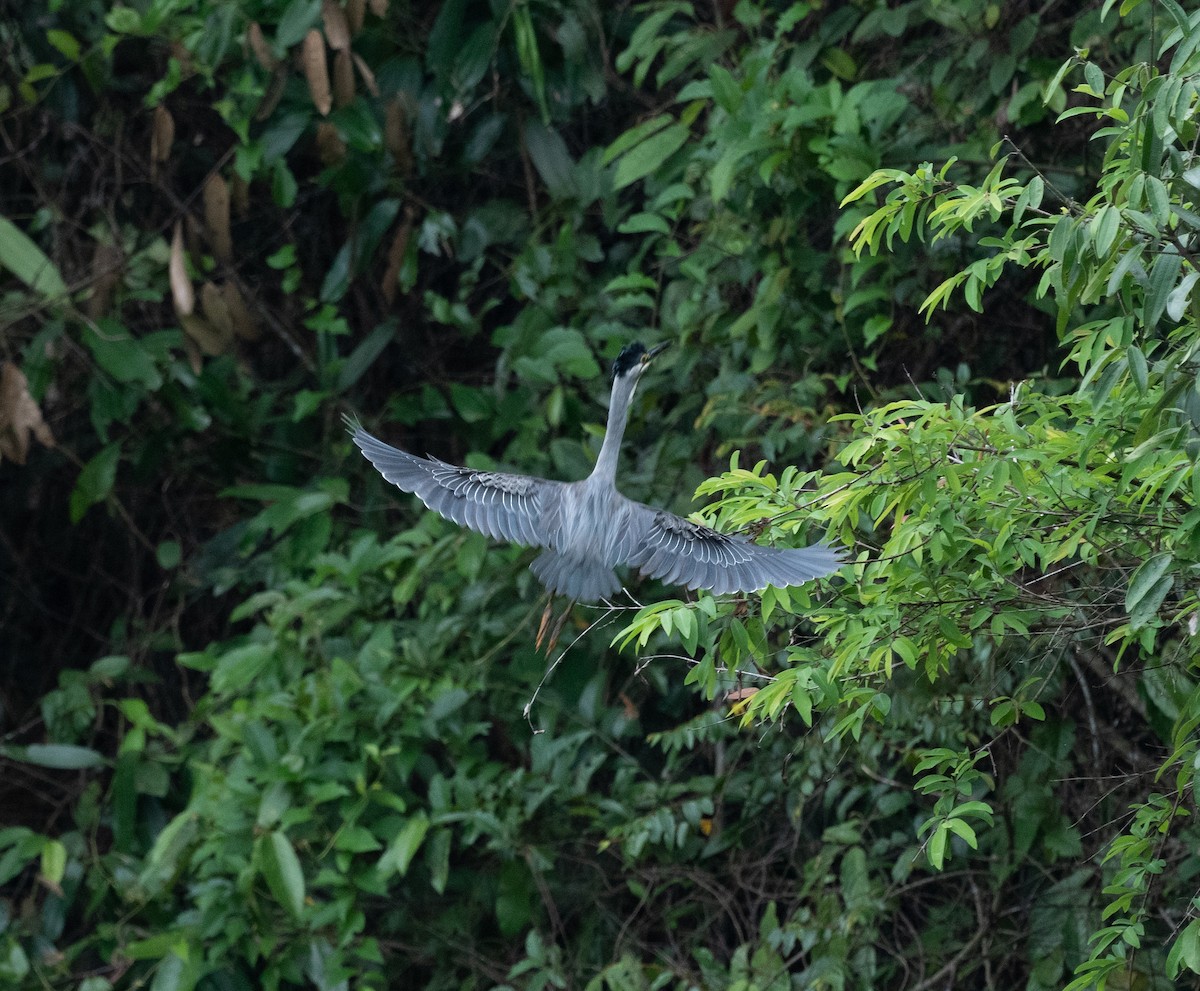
[{"x": 586, "y": 529}]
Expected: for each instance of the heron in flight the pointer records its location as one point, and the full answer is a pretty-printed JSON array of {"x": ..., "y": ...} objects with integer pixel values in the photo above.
[{"x": 587, "y": 528}]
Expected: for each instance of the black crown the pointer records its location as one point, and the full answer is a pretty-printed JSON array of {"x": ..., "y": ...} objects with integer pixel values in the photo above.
[{"x": 630, "y": 357}]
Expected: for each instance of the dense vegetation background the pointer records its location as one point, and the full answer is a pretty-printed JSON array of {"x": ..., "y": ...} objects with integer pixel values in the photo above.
[{"x": 929, "y": 269}]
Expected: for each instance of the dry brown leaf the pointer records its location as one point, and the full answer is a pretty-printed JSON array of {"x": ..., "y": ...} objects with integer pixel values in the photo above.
[
  {"x": 183, "y": 55},
  {"x": 162, "y": 135},
  {"x": 239, "y": 195},
  {"x": 368, "y": 77},
  {"x": 631, "y": 709},
  {"x": 216, "y": 311},
  {"x": 107, "y": 263},
  {"x": 205, "y": 335},
  {"x": 316, "y": 71},
  {"x": 337, "y": 27},
  {"x": 195, "y": 238},
  {"x": 355, "y": 12},
  {"x": 378, "y": 7},
  {"x": 343, "y": 79},
  {"x": 331, "y": 149},
  {"x": 395, "y": 135},
  {"x": 273, "y": 95},
  {"x": 19, "y": 416},
  {"x": 395, "y": 259},
  {"x": 182, "y": 294},
  {"x": 216, "y": 217},
  {"x": 244, "y": 324},
  {"x": 194, "y": 357},
  {"x": 262, "y": 50}
]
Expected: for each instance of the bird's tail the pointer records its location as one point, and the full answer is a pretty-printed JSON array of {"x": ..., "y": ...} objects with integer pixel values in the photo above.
[{"x": 579, "y": 579}]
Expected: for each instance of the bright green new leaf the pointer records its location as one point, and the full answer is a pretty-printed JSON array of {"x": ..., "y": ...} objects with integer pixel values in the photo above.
[
  {"x": 65, "y": 42},
  {"x": 54, "y": 861}
]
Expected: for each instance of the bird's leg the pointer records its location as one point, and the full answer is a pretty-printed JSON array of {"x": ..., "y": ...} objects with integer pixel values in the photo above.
[
  {"x": 559, "y": 625},
  {"x": 545, "y": 623},
  {"x": 557, "y": 629}
]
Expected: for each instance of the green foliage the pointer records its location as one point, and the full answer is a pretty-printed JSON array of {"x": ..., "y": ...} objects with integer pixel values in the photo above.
[
  {"x": 304, "y": 756},
  {"x": 1010, "y": 545}
]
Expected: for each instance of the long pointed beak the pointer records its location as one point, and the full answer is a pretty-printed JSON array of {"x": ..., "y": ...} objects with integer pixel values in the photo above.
[{"x": 657, "y": 349}]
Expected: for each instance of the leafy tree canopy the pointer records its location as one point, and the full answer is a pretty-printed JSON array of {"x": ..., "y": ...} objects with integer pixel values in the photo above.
[{"x": 931, "y": 271}]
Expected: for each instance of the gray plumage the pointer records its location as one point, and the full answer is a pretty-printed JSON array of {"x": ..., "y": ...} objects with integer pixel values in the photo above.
[{"x": 588, "y": 528}]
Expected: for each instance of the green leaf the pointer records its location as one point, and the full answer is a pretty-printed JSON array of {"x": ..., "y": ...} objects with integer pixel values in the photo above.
[
  {"x": 169, "y": 554},
  {"x": 840, "y": 63},
  {"x": 1159, "y": 199},
  {"x": 1138, "y": 370},
  {"x": 645, "y": 223},
  {"x": 437, "y": 857},
  {"x": 65, "y": 42},
  {"x": 121, "y": 355},
  {"x": 364, "y": 355},
  {"x": 727, "y": 92},
  {"x": 635, "y": 136},
  {"x": 54, "y": 861},
  {"x": 1145, "y": 578},
  {"x": 403, "y": 848},
  {"x": 60, "y": 756},
  {"x": 1178, "y": 15},
  {"x": 14, "y": 964},
  {"x": 1180, "y": 296},
  {"x": 721, "y": 175},
  {"x": 281, "y": 868},
  {"x": 963, "y": 829},
  {"x": 548, "y": 152},
  {"x": 1185, "y": 951},
  {"x": 123, "y": 20},
  {"x": 95, "y": 482},
  {"x": 298, "y": 16},
  {"x": 1034, "y": 710},
  {"x": 1150, "y": 584},
  {"x": 28, "y": 262},
  {"x": 1163, "y": 274},
  {"x": 173, "y": 974},
  {"x": 356, "y": 839},
  {"x": 238, "y": 667},
  {"x": 642, "y": 159},
  {"x": 1056, "y": 81},
  {"x": 937, "y": 847},
  {"x": 167, "y": 856},
  {"x": 1105, "y": 227}
]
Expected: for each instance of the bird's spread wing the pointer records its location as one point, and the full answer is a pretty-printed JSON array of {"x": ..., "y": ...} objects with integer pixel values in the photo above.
[
  {"x": 516, "y": 508},
  {"x": 663, "y": 545}
]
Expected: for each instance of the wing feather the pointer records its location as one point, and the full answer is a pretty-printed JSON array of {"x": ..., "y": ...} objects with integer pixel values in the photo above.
[
  {"x": 663, "y": 545},
  {"x": 517, "y": 508}
]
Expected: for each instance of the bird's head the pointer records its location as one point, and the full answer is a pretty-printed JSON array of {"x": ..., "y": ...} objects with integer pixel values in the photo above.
[{"x": 634, "y": 358}]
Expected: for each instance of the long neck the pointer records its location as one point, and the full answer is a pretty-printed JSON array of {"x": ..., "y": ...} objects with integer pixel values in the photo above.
[{"x": 618, "y": 413}]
